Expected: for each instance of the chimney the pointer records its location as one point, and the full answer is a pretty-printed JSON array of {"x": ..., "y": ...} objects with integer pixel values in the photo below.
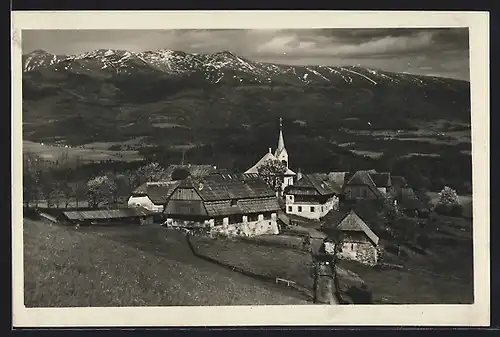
[{"x": 270, "y": 150}]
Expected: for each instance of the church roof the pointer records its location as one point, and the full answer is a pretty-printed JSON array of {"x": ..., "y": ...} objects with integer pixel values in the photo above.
[
  {"x": 268, "y": 156},
  {"x": 281, "y": 141}
]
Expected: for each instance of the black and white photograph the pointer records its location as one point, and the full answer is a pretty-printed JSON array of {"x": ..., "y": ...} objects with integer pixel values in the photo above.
[{"x": 295, "y": 168}]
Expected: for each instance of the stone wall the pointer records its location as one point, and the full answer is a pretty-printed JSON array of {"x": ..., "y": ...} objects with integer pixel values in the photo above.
[
  {"x": 250, "y": 228},
  {"x": 363, "y": 252},
  {"x": 247, "y": 228}
]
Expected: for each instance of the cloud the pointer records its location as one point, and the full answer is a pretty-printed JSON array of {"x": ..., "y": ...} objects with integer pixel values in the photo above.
[{"x": 429, "y": 50}]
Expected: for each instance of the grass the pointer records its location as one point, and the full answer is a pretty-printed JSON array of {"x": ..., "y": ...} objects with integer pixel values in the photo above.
[
  {"x": 444, "y": 275},
  {"x": 129, "y": 266},
  {"x": 52, "y": 153},
  {"x": 276, "y": 262},
  {"x": 465, "y": 201}
]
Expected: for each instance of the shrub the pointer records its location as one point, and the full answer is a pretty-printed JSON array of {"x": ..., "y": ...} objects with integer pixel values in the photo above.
[{"x": 455, "y": 210}]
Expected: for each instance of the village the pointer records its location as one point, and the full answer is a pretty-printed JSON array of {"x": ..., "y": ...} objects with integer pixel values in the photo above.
[{"x": 362, "y": 216}]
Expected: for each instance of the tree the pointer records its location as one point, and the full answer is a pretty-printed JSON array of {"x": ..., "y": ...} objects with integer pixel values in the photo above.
[
  {"x": 448, "y": 196},
  {"x": 150, "y": 172},
  {"x": 100, "y": 188},
  {"x": 272, "y": 172},
  {"x": 180, "y": 174}
]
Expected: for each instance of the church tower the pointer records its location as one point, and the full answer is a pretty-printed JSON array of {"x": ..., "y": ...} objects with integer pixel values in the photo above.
[{"x": 281, "y": 154}]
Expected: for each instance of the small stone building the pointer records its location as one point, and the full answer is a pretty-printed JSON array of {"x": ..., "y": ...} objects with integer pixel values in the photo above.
[{"x": 359, "y": 242}]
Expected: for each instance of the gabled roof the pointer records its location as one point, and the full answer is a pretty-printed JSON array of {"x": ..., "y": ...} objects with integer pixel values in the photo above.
[
  {"x": 229, "y": 186},
  {"x": 364, "y": 178},
  {"x": 268, "y": 156},
  {"x": 320, "y": 182},
  {"x": 348, "y": 221},
  {"x": 157, "y": 192},
  {"x": 381, "y": 179}
]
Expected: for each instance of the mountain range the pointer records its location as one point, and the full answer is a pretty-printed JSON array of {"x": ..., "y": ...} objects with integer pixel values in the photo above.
[{"x": 173, "y": 97}]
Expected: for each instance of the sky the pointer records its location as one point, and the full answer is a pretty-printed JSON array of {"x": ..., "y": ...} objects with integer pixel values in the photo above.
[{"x": 425, "y": 51}]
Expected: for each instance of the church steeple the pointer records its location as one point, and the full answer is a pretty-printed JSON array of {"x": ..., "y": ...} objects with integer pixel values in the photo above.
[{"x": 281, "y": 152}]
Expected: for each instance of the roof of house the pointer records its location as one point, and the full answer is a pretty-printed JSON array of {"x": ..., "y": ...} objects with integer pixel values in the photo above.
[
  {"x": 244, "y": 206},
  {"x": 381, "y": 179},
  {"x": 194, "y": 169},
  {"x": 364, "y": 178},
  {"x": 157, "y": 192},
  {"x": 229, "y": 187},
  {"x": 348, "y": 221},
  {"x": 120, "y": 213},
  {"x": 407, "y": 193},
  {"x": 268, "y": 156},
  {"x": 320, "y": 182},
  {"x": 337, "y": 177}
]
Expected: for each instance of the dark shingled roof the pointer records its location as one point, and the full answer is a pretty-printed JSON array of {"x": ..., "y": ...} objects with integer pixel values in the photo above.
[
  {"x": 364, "y": 178},
  {"x": 348, "y": 221},
  {"x": 107, "y": 214},
  {"x": 244, "y": 206},
  {"x": 157, "y": 192},
  {"x": 229, "y": 186},
  {"x": 320, "y": 182},
  {"x": 381, "y": 179}
]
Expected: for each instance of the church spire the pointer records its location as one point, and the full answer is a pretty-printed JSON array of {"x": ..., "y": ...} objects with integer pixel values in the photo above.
[{"x": 281, "y": 141}]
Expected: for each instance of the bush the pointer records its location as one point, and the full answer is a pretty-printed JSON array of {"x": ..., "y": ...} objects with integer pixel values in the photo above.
[{"x": 454, "y": 210}]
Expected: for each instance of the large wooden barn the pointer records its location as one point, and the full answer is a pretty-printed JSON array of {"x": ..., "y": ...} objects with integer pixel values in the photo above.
[{"x": 231, "y": 203}]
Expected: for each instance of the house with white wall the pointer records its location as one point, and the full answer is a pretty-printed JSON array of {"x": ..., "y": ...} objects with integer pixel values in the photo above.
[
  {"x": 152, "y": 195},
  {"x": 312, "y": 196}
]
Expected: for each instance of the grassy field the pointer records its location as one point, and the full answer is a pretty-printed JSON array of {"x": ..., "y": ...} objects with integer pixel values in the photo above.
[
  {"x": 444, "y": 275},
  {"x": 276, "y": 262},
  {"x": 53, "y": 152},
  {"x": 465, "y": 201},
  {"x": 130, "y": 266}
]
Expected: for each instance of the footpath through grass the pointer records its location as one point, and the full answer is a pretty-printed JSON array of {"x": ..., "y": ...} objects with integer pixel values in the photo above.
[{"x": 65, "y": 267}]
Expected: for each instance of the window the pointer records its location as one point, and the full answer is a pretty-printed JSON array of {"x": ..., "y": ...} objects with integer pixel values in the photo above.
[
  {"x": 299, "y": 209},
  {"x": 322, "y": 208},
  {"x": 234, "y": 202},
  {"x": 289, "y": 208},
  {"x": 312, "y": 208}
]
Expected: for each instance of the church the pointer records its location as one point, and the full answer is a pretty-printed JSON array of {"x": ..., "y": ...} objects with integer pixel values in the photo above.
[{"x": 281, "y": 155}]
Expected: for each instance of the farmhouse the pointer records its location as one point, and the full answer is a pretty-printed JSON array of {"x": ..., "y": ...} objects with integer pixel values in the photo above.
[
  {"x": 359, "y": 242},
  {"x": 280, "y": 155},
  {"x": 410, "y": 204},
  {"x": 227, "y": 203},
  {"x": 312, "y": 196},
  {"x": 363, "y": 185},
  {"x": 152, "y": 195},
  {"x": 136, "y": 215}
]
